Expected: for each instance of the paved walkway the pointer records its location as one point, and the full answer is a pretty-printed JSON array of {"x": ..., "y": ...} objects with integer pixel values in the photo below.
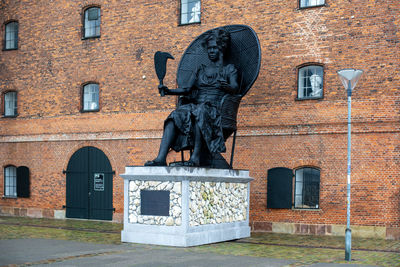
[{"x": 45, "y": 252}]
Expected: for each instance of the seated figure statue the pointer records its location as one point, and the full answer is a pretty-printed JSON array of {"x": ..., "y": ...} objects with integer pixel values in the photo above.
[{"x": 197, "y": 124}]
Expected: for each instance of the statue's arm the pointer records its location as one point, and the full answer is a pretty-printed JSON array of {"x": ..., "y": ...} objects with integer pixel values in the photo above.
[
  {"x": 177, "y": 91},
  {"x": 231, "y": 85},
  {"x": 181, "y": 90}
]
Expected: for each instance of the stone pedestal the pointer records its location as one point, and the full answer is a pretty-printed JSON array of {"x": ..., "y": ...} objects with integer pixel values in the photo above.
[{"x": 204, "y": 205}]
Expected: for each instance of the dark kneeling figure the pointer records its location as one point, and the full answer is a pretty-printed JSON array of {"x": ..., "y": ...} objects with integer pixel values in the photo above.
[{"x": 197, "y": 124}]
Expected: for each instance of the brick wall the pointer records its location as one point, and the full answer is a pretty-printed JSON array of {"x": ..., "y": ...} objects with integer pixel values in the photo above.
[{"x": 275, "y": 130}]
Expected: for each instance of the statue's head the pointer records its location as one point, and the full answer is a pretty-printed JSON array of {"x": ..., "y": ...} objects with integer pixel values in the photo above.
[
  {"x": 315, "y": 80},
  {"x": 219, "y": 40}
]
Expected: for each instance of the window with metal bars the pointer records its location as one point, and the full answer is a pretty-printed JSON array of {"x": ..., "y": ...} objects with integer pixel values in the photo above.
[
  {"x": 190, "y": 11},
  {"x": 10, "y": 104},
  {"x": 311, "y": 3},
  {"x": 306, "y": 192},
  {"x": 11, "y": 36},
  {"x": 91, "y": 27},
  {"x": 310, "y": 82},
  {"x": 90, "y": 97}
]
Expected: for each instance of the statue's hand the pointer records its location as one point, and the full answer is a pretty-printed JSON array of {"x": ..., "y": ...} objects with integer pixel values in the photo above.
[
  {"x": 223, "y": 84},
  {"x": 163, "y": 90}
]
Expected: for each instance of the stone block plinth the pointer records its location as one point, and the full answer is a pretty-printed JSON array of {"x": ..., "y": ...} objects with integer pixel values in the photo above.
[{"x": 185, "y": 206}]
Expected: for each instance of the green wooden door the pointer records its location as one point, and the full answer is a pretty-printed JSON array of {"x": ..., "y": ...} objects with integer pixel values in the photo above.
[{"x": 89, "y": 185}]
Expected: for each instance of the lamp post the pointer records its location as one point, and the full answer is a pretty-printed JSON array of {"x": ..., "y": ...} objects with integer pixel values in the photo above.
[{"x": 349, "y": 78}]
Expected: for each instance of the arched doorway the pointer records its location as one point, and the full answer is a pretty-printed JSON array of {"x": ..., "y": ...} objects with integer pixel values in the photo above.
[{"x": 89, "y": 185}]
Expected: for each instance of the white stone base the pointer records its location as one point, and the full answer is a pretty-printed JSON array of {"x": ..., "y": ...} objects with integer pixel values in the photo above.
[
  {"x": 156, "y": 235},
  {"x": 188, "y": 232}
]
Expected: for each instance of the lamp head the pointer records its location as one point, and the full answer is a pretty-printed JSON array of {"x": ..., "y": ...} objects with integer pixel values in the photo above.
[{"x": 349, "y": 77}]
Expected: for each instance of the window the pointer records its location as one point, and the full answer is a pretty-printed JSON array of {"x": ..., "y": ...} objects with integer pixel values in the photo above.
[
  {"x": 311, "y": 3},
  {"x": 10, "y": 104},
  {"x": 190, "y": 11},
  {"x": 11, "y": 36},
  {"x": 16, "y": 181},
  {"x": 306, "y": 193},
  {"x": 280, "y": 189},
  {"x": 10, "y": 181},
  {"x": 91, "y": 22},
  {"x": 91, "y": 97},
  {"x": 310, "y": 82}
]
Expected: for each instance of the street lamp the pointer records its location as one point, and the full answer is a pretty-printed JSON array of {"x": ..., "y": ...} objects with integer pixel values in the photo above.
[{"x": 349, "y": 78}]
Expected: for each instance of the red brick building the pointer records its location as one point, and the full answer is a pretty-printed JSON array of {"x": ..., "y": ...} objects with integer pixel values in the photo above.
[{"x": 77, "y": 74}]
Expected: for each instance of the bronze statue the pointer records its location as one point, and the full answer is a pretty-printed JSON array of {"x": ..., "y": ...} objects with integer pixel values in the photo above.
[{"x": 197, "y": 122}]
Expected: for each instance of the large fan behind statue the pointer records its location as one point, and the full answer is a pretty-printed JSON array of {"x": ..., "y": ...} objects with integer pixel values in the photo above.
[{"x": 215, "y": 72}]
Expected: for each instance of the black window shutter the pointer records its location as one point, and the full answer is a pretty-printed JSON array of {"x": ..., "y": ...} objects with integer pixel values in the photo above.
[
  {"x": 23, "y": 183},
  {"x": 279, "y": 191},
  {"x": 16, "y": 36},
  {"x": 4, "y": 39},
  {"x": 16, "y": 107}
]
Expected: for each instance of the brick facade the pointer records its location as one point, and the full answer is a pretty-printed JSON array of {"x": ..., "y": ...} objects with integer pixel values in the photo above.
[{"x": 53, "y": 62}]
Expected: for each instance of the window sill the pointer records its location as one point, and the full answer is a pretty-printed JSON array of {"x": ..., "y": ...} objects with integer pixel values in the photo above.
[
  {"x": 9, "y": 197},
  {"x": 10, "y": 116},
  {"x": 189, "y": 23},
  {"x": 309, "y": 7},
  {"x": 10, "y": 49},
  {"x": 91, "y": 37},
  {"x": 90, "y": 110},
  {"x": 309, "y": 98},
  {"x": 307, "y": 209}
]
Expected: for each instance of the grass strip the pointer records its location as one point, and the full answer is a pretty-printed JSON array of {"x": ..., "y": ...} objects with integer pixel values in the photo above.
[
  {"x": 22, "y": 232},
  {"x": 63, "y": 228},
  {"x": 302, "y": 256}
]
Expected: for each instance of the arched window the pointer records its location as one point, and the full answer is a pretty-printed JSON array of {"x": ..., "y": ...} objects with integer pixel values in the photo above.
[
  {"x": 90, "y": 97},
  {"x": 91, "y": 27},
  {"x": 310, "y": 82},
  {"x": 10, "y": 181},
  {"x": 311, "y": 3},
  {"x": 11, "y": 36},
  {"x": 10, "y": 104},
  {"x": 190, "y": 11},
  {"x": 306, "y": 192}
]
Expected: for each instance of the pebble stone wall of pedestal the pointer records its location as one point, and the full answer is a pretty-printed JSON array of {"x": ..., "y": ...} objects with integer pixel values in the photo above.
[
  {"x": 217, "y": 202},
  {"x": 175, "y": 208}
]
